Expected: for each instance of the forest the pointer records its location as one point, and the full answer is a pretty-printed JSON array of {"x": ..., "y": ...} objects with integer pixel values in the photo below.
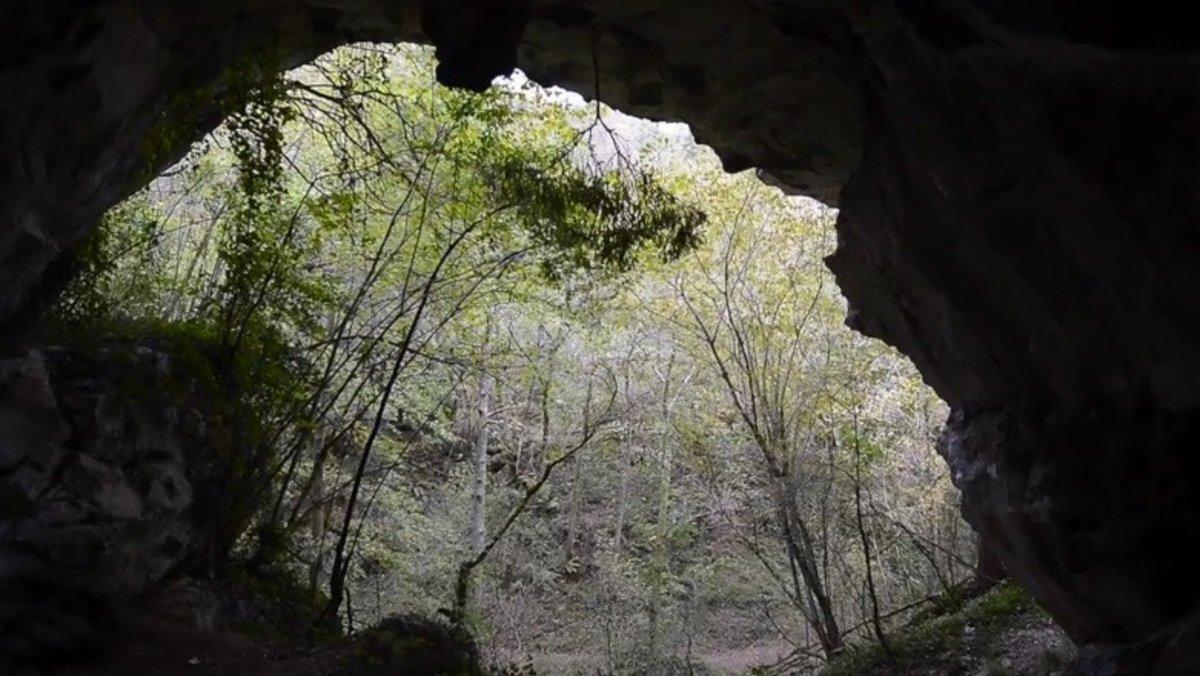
[{"x": 533, "y": 371}]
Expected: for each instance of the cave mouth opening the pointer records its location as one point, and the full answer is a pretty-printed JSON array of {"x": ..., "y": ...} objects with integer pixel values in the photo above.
[
  {"x": 1016, "y": 194},
  {"x": 519, "y": 361}
]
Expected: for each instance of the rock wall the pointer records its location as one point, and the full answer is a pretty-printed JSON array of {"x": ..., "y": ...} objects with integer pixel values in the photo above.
[
  {"x": 1019, "y": 185},
  {"x": 108, "y": 480},
  {"x": 1020, "y": 226},
  {"x": 108, "y": 464}
]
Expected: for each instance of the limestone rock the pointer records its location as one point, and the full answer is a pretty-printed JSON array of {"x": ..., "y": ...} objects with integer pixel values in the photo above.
[{"x": 97, "y": 467}]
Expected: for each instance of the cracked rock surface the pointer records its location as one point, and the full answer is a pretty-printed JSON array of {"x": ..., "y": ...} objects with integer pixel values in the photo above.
[{"x": 99, "y": 471}]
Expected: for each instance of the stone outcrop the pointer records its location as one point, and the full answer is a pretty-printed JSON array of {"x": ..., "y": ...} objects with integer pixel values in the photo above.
[
  {"x": 1019, "y": 186},
  {"x": 107, "y": 482}
]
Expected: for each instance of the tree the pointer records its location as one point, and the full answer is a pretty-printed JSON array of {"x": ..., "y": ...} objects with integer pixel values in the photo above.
[
  {"x": 480, "y": 460},
  {"x": 760, "y": 346}
]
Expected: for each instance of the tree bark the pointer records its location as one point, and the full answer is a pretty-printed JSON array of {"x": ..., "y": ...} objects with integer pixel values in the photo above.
[
  {"x": 573, "y": 516},
  {"x": 801, "y": 552},
  {"x": 876, "y": 620},
  {"x": 319, "y": 528},
  {"x": 479, "y": 467},
  {"x": 622, "y": 498}
]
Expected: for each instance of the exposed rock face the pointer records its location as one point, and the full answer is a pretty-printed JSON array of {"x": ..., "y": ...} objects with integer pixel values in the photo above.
[
  {"x": 1019, "y": 184},
  {"x": 1019, "y": 226},
  {"x": 105, "y": 464}
]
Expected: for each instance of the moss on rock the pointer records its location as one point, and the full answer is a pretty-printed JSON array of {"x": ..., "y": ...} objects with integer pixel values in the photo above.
[{"x": 975, "y": 633}]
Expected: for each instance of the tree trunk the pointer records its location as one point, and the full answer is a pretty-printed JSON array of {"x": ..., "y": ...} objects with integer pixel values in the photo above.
[
  {"x": 622, "y": 499},
  {"x": 573, "y": 516},
  {"x": 876, "y": 620},
  {"x": 544, "y": 438},
  {"x": 662, "y": 552},
  {"x": 319, "y": 527},
  {"x": 478, "y": 525},
  {"x": 800, "y": 549},
  {"x": 662, "y": 548}
]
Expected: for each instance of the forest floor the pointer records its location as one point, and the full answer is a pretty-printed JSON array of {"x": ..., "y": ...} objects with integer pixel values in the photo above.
[
  {"x": 1002, "y": 633},
  {"x": 729, "y": 660}
]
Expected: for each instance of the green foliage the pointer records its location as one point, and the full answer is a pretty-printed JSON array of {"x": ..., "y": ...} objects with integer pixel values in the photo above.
[
  {"x": 256, "y": 136},
  {"x": 100, "y": 275},
  {"x": 861, "y": 442},
  {"x": 356, "y": 219},
  {"x": 261, "y": 250},
  {"x": 595, "y": 221}
]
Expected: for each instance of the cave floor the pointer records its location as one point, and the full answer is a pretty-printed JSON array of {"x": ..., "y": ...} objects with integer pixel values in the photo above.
[{"x": 151, "y": 644}]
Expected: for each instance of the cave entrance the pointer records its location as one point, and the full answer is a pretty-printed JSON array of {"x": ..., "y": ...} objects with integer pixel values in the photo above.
[{"x": 531, "y": 365}]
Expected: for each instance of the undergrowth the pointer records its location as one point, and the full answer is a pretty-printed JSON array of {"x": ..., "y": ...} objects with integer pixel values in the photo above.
[{"x": 974, "y": 629}]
